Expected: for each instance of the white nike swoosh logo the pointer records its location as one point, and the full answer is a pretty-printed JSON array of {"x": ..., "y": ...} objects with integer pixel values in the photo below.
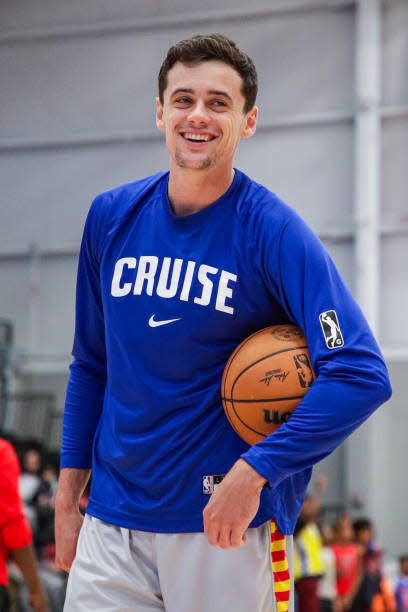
[{"x": 154, "y": 323}]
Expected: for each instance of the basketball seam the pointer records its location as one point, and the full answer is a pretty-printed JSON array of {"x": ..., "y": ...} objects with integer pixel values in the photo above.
[
  {"x": 261, "y": 399},
  {"x": 235, "y": 352},
  {"x": 260, "y": 433}
]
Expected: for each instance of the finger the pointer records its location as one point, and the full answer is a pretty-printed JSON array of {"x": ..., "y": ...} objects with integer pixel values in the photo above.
[
  {"x": 213, "y": 536},
  {"x": 224, "y": 538},
  {"x": 211, "y": 528},
  {"x": 238, "y": 539}
]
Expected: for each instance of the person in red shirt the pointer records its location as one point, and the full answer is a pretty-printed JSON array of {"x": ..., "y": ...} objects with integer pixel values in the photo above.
[
  {"x": 348, "y": 567},
  {"x": 15, "y": 533}
]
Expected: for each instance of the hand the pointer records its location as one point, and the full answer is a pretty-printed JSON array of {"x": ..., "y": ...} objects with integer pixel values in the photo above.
[
  {"x": 38, "y": 601},
  {"x": 346, "y": 601},
  {"x": 67, "y": 527},
  {"x": 321, "y": 484},
  {"x": 233, "y": 506},
  {"x": 338, "y": 605}
]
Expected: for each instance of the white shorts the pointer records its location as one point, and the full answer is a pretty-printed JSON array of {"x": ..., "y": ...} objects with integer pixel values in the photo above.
[{"x": 124, "y": 570}]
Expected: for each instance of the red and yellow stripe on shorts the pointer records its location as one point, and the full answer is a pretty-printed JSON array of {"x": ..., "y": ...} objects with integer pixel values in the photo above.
[{"x": 280, "y": 569}]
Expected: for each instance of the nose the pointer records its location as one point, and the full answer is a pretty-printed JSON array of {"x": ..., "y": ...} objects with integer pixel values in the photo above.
[{"x": 198, "y": 113}]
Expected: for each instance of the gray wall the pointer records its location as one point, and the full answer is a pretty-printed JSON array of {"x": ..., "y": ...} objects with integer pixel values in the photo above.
[{"x": 78, "y": 81}]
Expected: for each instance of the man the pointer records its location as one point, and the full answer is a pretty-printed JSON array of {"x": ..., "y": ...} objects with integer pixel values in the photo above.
[
  {"x": 175, "y": 271},
  {"x": 15, "y": 533}
]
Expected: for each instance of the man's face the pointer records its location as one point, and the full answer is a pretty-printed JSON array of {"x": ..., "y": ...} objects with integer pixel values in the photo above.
[
  {"x": 203, "y": 115},
  {"x": 364, "y": 536}
]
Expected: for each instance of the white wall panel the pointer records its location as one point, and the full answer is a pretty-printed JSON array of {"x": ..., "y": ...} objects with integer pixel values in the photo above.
[
  {"x": 20, "y": 14},
  {"x": 108, "y": 79},
  {"x": 305, "y": 62},
  {"x": 394, "y": 206},
  {"x": 308, "y": 167},
  {"x": 41, "y": 311},
  {"x": 49, "y": 192},
  {"x": 394, "y": 291},
  {"x": 395, "y": 52},
  {"x": 342, "y": 253},
  {"x": 112, "y": 79},
  {"x": 14, "y": 297},
  {"x": 45, "y": 196},
  {"x": 55, "y": 322},
  {"x": 391, "y": 466}
]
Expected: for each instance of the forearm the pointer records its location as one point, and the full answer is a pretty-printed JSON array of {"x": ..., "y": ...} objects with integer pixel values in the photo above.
[
  {"x": 26, "y": 561},
  {"x": 328, "y": 414},
  {"x": 71, "y": 485},
  {"x": 68, "y": 519}
]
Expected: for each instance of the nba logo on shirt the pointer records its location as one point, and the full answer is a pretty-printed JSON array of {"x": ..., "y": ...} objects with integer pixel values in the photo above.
[
  {"x": 210, "y": 483},
  {"x": 331, "y": 329}
]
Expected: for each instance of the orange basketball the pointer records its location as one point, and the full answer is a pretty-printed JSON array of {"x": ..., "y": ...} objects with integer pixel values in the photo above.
[{"x": 264, "y": 380}]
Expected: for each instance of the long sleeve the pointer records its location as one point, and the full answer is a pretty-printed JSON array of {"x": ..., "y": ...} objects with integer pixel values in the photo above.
[
  {"x": 86, "y": 385},
  {"x": 88, "y": 371},
  {"x": 351, "y": 379}
]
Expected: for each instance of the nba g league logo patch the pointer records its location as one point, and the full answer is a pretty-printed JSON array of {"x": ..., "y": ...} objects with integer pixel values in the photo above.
[{"x": 331, "y": 329}]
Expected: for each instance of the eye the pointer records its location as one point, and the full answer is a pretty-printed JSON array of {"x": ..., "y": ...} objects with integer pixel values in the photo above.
[
  {"x": 182, "y": 101},
  {"x": 220, "y": 103}
]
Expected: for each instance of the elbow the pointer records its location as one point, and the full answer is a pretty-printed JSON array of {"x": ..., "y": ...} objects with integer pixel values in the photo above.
[
  {"x": 387, "y": 388},
  {"x": 383, "y": 388}
]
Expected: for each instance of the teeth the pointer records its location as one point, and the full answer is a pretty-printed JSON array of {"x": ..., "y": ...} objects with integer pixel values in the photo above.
[{"x": 203, "y": 137}]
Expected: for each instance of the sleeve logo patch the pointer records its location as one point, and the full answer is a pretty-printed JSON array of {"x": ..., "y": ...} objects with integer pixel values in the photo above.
[{"x": 331, "y": 329}]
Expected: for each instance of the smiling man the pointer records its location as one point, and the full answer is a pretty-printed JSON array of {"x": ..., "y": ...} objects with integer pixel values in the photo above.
[{"x": 175, "y": 270}]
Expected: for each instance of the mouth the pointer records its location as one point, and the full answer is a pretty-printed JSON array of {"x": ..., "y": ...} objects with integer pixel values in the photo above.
[{"x": 196, "y": 137}]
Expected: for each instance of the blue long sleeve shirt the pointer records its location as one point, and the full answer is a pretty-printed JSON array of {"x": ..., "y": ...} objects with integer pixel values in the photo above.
[{"x": 162, "y": 301}]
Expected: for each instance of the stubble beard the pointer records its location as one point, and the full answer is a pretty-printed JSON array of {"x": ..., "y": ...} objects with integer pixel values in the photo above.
[{"x": 202, "y": 164}]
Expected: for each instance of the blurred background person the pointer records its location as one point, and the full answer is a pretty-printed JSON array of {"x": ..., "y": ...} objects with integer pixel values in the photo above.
[
  {"x": 348, "y": 566},
  {"x": 327, "y": 589},
  {"x": 375, "y": 593},
  {"x": 15, "y": 534},
  {"x": 401, "y": 589},
  {"x": 30, "y": 481},
  {"x": 308, "y": 547}
]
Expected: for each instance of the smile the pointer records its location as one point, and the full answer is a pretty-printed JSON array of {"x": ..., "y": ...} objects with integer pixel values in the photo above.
[{"x": 194, "y": 137}]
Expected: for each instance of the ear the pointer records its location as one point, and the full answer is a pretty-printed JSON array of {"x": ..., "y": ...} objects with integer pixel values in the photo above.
[
  {"x": 250, "y": 121},
  {"x": 160, "y": 115}
]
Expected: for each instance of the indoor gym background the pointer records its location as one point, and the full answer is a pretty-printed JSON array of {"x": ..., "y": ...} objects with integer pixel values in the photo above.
[{"x": 77, "y": 88}]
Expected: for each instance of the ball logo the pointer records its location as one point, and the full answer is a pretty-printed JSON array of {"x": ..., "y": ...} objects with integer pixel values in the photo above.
[
  {"x": 331, "y": 329},
  {"x": 286, "y": 332},
  {"x": 277, "y": 374},
  {"x": 304, "y": 370},
  {"x": 275, "y": 417}
]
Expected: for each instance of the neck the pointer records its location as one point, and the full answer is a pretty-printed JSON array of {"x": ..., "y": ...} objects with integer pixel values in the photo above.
[{"x": 192, "y": 190}]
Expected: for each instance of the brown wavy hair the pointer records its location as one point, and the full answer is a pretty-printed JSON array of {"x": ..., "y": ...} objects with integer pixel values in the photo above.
[{"x": 207, "y": 47}]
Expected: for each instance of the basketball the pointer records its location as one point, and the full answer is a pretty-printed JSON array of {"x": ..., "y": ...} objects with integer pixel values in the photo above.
[{"x": 264, "y": 380}]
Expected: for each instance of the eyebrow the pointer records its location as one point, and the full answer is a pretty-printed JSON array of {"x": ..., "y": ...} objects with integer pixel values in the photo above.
[{"x": 213, "y": 92}]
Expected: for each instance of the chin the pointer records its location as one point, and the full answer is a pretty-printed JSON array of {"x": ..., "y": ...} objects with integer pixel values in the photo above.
[{"x": 196, "y": 164}]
